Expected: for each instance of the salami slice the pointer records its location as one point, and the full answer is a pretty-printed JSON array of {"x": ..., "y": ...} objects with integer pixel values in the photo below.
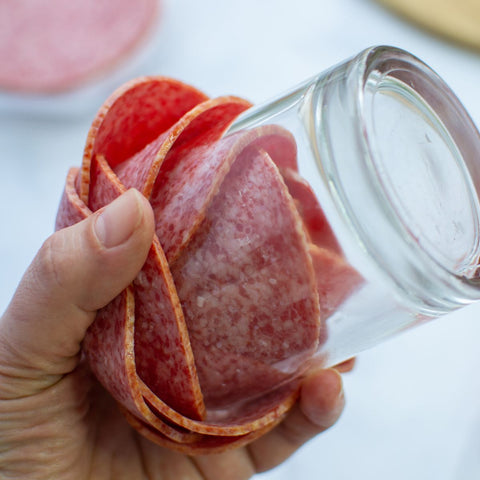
[
  {"x": 315, "y": 221},
  {"x": 204, "y": 351},
  {"x": 55, "y": 45},
  {"x": 191, "y": 178},
  {"x": 202, "y": 125},
  {"x": 206, "y": 444},
  {"x": 71, "y": 210},
  {"x": 132, "y": 117},
  {"x": 336, "y": 279},
  {"x": 166, "y": 360},
  {"x": 238, "y": 274}
]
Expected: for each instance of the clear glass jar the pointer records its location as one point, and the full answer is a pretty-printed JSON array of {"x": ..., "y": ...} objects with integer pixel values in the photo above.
[{"x": 393, "y": 159}]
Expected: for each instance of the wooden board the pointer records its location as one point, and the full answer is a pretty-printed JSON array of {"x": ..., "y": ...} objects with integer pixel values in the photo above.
[{"x": 457, "y": 20}]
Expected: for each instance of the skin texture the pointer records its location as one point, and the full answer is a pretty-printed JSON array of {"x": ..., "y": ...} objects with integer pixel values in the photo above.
[{"x": 56, "y": 421}]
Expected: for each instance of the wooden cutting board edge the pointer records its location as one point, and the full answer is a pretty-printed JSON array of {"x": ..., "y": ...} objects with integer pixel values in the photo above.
[{"x": 442, "y": 24}]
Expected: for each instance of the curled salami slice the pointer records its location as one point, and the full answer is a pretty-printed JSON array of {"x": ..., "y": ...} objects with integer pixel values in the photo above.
[
  {"x": 202, "y": 125},
  {"x": 255, "y": 414},
  {"x": 166, "y": 361},
  {"x": 205, "y": 349},
  {"x": 132, "y": 117},
  {"x": 193, "y": 177},
  {"x": 71, "y": 210},
  {"x": 206, "y": 444},
  {"x": 246, "y": 288}
]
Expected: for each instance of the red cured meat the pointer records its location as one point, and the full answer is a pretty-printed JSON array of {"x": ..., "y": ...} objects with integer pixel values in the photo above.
[
  {"x": 336, "y": 279},
  {"x": 161, "y": 325},
  {"x": 53, "y": 45},
  {"x": 232, "y": 281},
  {"x": 204, "y": 351},
  {"x": 214, "y": 116},
  {"x": 316, "y": 224},
  {"x": 206, "y": 444},
  {"x": 132, "y": 117},
  {"x": 192, "y": 177}
]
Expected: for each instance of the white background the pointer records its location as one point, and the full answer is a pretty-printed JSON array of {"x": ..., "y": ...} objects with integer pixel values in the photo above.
[{"x": 412, "y": 403}]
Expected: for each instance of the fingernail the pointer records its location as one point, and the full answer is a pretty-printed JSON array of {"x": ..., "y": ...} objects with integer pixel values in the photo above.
[{"x": 118, "y": 221}]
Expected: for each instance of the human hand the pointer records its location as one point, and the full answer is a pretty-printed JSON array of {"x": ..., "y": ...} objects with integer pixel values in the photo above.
[{"x": 56, "y": 421}]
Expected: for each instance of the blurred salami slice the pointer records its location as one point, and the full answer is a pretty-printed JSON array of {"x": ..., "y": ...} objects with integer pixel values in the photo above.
[{"x": 55, "y": 45}]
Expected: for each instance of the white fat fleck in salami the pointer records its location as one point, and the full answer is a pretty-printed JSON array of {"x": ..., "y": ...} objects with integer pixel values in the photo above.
[{"x": 55, "y": 45}]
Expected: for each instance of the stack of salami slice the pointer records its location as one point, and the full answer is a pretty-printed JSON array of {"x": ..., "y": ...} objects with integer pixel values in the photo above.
[{"x": 205, "y": 349}]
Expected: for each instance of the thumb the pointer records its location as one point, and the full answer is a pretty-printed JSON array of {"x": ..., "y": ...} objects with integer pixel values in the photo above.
[{"x": 77, "y": 271}]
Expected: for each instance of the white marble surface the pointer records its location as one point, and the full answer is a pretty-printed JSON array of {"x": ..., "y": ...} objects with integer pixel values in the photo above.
[{"x": 412, "y": 403}]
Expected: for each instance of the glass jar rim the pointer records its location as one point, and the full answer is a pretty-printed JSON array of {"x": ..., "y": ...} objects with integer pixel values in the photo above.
[{"x": 369, "y": 71}]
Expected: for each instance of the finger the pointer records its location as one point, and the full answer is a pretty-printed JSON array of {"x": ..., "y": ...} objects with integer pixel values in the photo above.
[
  {"x": 77, "y": 271},
  {"x": 229, "y": 465},
  {"x": 321, "y": 403},
  {"x": 346, "y": 366}
]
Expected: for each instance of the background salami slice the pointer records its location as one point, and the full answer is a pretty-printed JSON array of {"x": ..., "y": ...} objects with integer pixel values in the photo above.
[{"x": 54, "y": 45}]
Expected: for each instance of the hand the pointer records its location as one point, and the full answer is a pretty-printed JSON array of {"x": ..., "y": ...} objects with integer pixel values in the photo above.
[{"x": 56, "y": 421}]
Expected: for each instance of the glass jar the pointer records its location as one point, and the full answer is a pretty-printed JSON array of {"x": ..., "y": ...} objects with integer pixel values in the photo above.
[{"x": 393, "y": 159}]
